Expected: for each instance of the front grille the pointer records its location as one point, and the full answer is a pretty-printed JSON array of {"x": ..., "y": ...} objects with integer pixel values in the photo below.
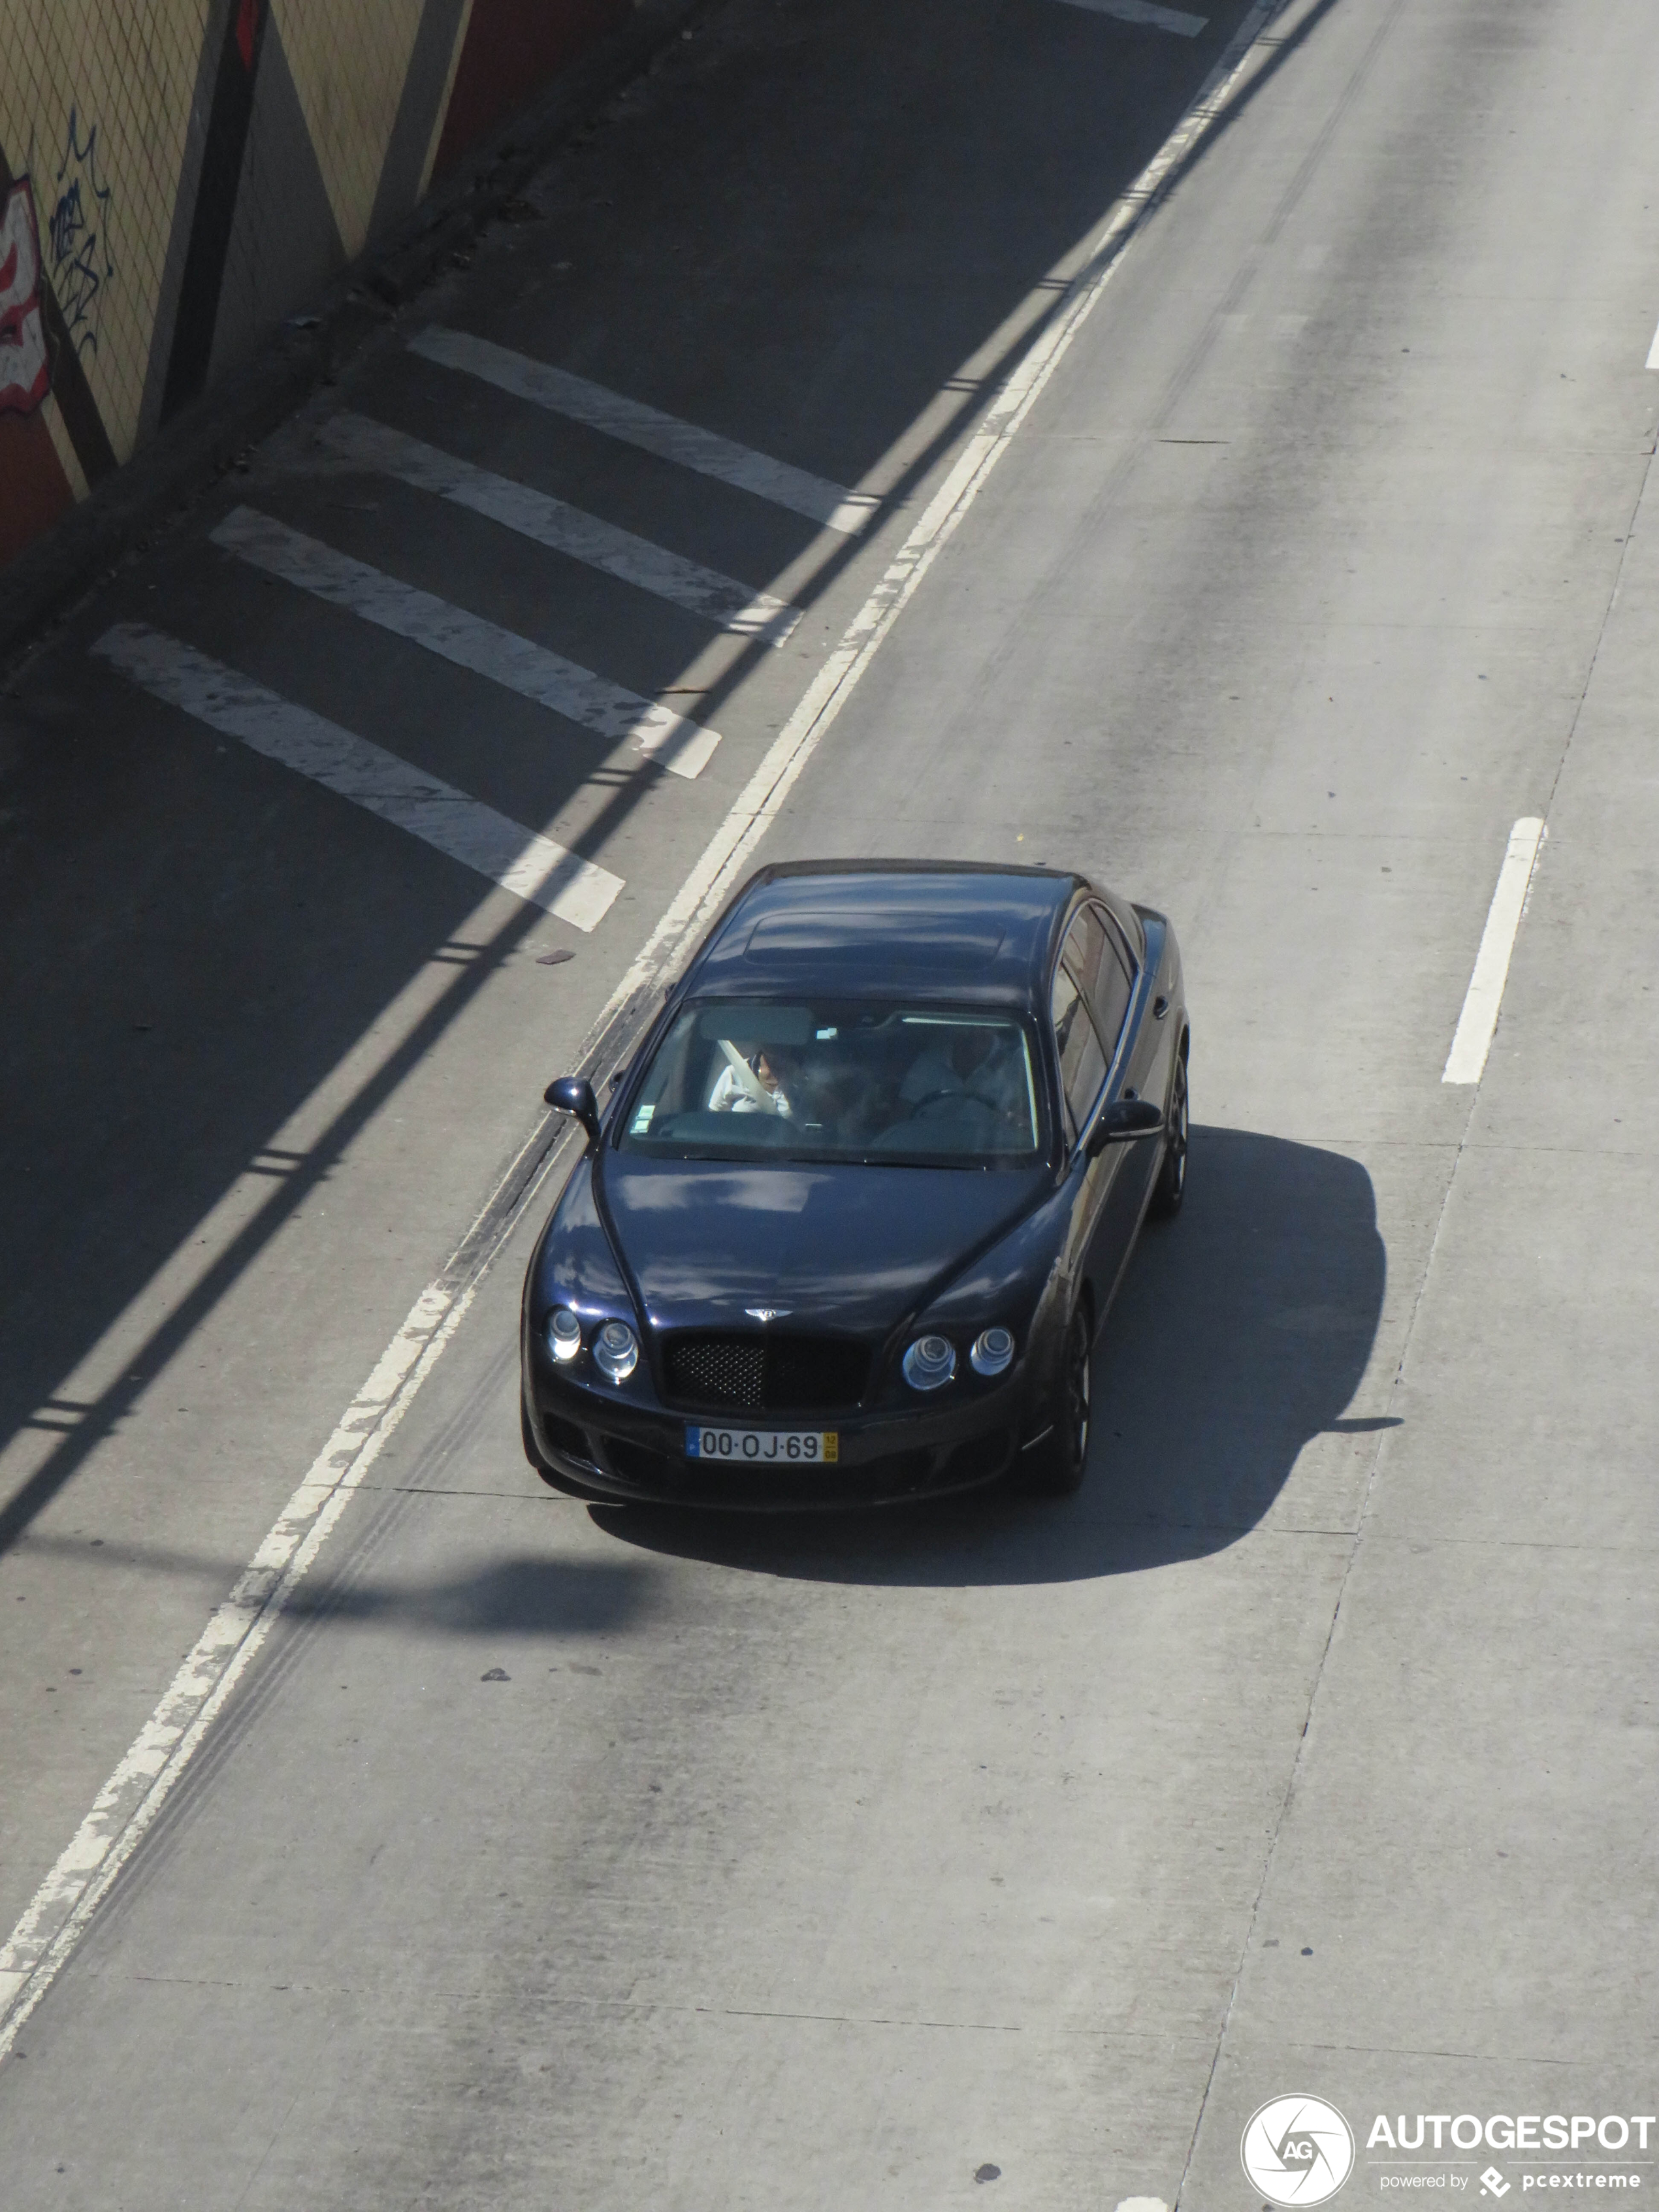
[{"x": 769, "y": 1374}]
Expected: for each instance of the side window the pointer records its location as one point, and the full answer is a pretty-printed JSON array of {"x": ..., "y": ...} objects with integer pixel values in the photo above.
[
  {"x": 1113, "y": 982},
  {"x": 1082, "y": 1062}
]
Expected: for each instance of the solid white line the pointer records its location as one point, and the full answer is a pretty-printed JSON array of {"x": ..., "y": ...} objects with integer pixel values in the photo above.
[
  {"x": 47, "y": 1934},
  {"x": 551, "y": 522},
  {"x": 129, "y": 1802},
  {"x": 1467, "y": 1060},
  {"x": 1653, "y": 352},
  {"x": 636, "y": 424},
  {"x": 519, "y": 859},
  {"x": 1145, "y": 12},
  {"x": 468, "y": 640}
]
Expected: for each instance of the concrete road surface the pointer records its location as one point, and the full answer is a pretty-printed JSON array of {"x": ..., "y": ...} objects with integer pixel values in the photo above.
[{"x": 994, "y": 1856}]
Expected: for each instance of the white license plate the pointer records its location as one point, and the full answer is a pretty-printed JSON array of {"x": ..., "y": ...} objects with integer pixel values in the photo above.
[{"x": 764, "y": 1446}]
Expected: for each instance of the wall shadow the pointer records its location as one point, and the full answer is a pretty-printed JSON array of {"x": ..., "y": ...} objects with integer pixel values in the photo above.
[
  {"x": 816, "y": 217},
  {"x": 1242, "y": 1331},
  {"x": 517, "y": 1594},
  {"x": 523, "y": 1596}
]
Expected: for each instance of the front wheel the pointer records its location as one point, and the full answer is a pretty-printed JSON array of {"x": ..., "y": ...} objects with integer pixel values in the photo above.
[
  {"x": 1055, "y": 1467},
  {"x": 1170, "y": 1188}
]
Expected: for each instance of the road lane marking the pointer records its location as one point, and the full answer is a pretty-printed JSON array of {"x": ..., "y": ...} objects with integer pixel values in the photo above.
[
  {"x": 565, "y": 529},
  {"x": 653, "y": 432},
  {"x": 468, "y": 640},
  {"x": 129, "y": 1802},
  {"x": 63, "y": 1907},
  {"x": 521, "y": 860},
  {"x": 1153, "y": 18},
  {"x": 1653, "y": 352},
  {"x": 1467, "y": 1060}
]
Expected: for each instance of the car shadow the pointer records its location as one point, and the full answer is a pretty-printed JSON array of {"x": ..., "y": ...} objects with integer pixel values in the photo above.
[{"x": 1242, "y": 1331}]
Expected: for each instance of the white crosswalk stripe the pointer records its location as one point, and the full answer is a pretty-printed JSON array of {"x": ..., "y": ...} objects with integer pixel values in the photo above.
[
  {"x": 468, "y": 640},
  {"x": 636, "y": 424},
  {"x": 519, "y": 859},
  {"x": 553, "y": 523},
  {"x": 1148, "y": 14}
]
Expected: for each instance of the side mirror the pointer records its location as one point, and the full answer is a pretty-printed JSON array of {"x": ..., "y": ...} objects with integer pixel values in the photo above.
[
  {"x": 573, "y": 1094},
  {"x": 1122, "y": 1121}
]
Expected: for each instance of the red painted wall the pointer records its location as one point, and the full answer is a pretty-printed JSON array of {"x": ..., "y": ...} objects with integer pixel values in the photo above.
[
  {"x": 513, "y": 48},
  {"x": 34, "y": 490}
]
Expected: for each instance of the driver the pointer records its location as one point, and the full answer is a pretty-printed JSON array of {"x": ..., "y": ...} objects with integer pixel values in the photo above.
[{"x": 980, "y": 1064}]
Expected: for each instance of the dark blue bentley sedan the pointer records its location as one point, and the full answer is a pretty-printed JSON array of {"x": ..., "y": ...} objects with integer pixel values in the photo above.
[{"x": 854, "y": 1216}]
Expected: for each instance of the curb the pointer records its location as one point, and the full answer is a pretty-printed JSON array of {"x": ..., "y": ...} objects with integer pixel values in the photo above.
[{"x": 146, "y": 495}]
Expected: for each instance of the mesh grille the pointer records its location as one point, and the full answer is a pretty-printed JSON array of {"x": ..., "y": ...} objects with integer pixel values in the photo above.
[{"x": 764, "y": 1374}]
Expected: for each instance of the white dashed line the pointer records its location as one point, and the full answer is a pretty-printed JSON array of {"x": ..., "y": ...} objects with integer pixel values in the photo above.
[
  {"x": 564, "y": 529},
  {"x": 466, "y": 829},
  {"x": 636, "y": 424},
  {"x": 468, "y": 640},
  {"x": 1148, "y": 14},
  {"x": 1467, "y": 1060},
  {"x": 1653, "y": 352}
]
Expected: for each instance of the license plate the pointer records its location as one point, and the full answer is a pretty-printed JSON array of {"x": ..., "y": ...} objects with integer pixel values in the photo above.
[{"x": 764, "y": 1446}]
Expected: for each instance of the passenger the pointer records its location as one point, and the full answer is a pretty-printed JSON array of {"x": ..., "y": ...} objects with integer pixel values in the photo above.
[{"x": 748, "y": 1083}]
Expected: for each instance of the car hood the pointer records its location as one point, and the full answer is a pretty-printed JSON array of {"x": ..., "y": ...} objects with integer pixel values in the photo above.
[{"x": 842, "y": 1248}]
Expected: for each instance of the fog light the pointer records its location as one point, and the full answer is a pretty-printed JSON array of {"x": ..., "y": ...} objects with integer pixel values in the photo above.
[
  {"x": 994, "y": 1350},
  {"x": 930, "y": 1363},
  {"x": 617, "y": 1351},
  {"x": 564, "y": 1334}
]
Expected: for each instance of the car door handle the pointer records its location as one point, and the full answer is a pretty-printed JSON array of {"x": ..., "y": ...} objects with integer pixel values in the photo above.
[{"x": 1160, "y": 1007}]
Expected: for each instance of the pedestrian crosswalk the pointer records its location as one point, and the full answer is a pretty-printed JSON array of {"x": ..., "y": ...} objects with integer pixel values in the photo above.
[
  {"x": 1148, "y": 13},
  {"x": 468, "y": 640},
  {"x": 563, "y": 529},
  {"x": 356, "y": 769},
  {"x": 590, "y": 705},
  {"x": 635, "y": 424}
]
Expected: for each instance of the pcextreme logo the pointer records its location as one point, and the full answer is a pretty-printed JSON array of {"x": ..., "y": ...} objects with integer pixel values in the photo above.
[{"x": 1297, "y": 2150}]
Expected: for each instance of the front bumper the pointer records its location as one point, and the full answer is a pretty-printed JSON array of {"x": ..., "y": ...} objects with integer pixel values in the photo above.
[{"x": 607, "y": 1446}]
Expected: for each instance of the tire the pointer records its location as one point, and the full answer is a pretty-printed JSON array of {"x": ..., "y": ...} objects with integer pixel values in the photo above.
[
  {"x": 1055, "y": 1468},
  {"x": 1170, "y": 1188}
]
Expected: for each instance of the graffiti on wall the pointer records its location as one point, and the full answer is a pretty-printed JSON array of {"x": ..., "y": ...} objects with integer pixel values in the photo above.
[
  {"x": 77, "y": 238},
  {"x": 25, "y": 367}
]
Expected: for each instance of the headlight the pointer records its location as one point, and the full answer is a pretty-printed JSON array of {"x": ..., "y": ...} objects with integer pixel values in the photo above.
[
  {"x": 617, "y": 1351},
  {"x": 994, "y": 1350},
  {"x": 564, "y": 1334},
  {"x": 930, "y": 1363}
]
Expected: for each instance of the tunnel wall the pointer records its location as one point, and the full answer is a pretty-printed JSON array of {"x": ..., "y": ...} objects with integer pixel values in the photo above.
[{"x": 176, "y": 177}]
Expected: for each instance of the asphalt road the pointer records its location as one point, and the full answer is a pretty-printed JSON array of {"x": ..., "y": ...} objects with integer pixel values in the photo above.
[{"x": 995, "y": 1855}]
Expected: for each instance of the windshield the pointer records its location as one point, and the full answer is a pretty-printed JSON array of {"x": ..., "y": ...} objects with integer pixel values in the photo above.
[{"x": 864, "y": 1080}]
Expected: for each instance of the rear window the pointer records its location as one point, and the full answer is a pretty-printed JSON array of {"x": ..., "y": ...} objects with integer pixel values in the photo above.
[{"x": 917, "y": 1085}]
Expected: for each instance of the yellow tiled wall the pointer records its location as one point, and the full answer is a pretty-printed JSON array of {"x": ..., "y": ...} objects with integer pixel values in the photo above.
[
  {"x": 107, "y": 108},
  {"x": 95, "y": 100}
]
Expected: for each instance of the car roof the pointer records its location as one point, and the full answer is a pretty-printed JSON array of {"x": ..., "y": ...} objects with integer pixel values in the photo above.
[{"x": 934, "y": 929}]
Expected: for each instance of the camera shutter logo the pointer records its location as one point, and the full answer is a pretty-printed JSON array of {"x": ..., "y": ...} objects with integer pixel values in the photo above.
[{"x": 1297, "y": 2150}]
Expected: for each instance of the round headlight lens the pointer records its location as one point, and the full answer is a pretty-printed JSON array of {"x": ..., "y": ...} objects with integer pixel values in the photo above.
[
  {"x": 564, "y": 1334},
  {"x": 617, "y": 1351},
  {"x": 992, "y": 1352},
  {"x": 930, "y": 1363}
]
